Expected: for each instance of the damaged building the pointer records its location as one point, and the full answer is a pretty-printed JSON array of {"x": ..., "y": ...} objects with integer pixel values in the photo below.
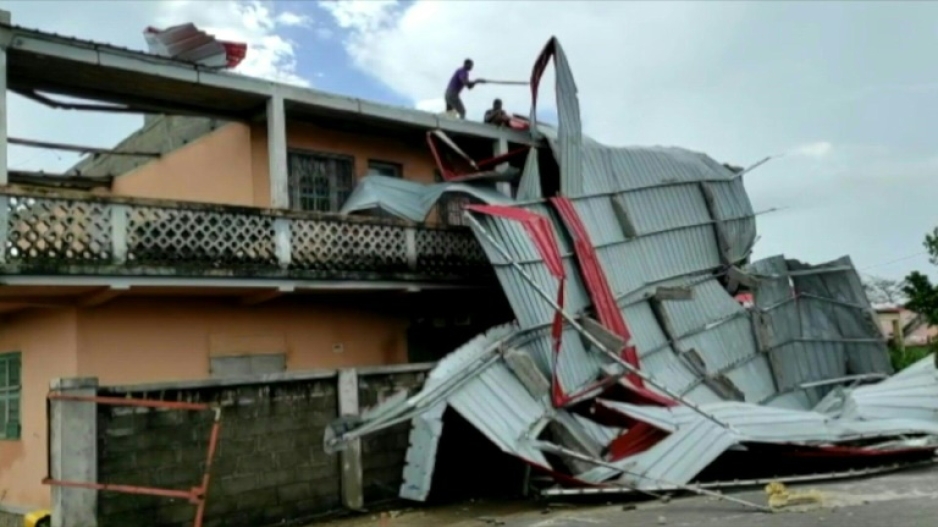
[
  {"x": 630, "y": 367},
  {"x": 272, "y": 303}
]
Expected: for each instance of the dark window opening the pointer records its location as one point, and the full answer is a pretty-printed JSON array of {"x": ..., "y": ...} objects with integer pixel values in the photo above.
[
  {"x": 320, "y": 182},
  {"x": 10, "y": 389},
  {"x": 550, "y": 172},
  {"x": 451, "y": 209},
  {"x": 385, "y": 168}
]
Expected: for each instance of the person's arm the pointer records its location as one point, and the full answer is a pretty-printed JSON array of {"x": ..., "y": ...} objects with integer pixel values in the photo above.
[{"x": 464, "y": 79}]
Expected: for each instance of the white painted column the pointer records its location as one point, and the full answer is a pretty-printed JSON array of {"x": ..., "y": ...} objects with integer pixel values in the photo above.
[
  {"x": 351, "y": 458},
  {"x": 73, "y": 453},
  {"x": 277, "y": 152},
  {"x": 4, "y": 161},
  {"x": 500, "y": 148}
]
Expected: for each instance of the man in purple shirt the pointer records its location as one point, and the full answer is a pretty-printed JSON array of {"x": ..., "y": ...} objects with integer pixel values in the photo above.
[{"x": 459, "y": 80}]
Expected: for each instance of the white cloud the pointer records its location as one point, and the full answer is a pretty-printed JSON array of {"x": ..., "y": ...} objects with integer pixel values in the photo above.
[
  {"x": 292, "y": 19},
  {"x": 269, "y": 56},
  {"x": 257, "y": 23},
  {"x": 819, "y": 149},
  {"x": 607, "y": 42},
  {"x": 737, "y": 80}
]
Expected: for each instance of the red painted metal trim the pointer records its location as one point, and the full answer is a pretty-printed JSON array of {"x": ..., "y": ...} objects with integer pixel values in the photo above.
[
  {"x": 449, "y": 174},
  {"x": 596, "y": 283},
  {"x": 538, "y": 228},
  {"x": 125, "y": 489},
  {"x": 444, "y": 172},
  {"x": 120, "y": 401},
  {"x": 594, "y": 278},
  {"x": 639, "y": 438},
  {"x": 540, "y": 65},
  {"x": 541, "y": 232}
]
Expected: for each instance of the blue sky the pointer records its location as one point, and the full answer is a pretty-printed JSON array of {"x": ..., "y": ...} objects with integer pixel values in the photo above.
[{"x": 843, "y": 89}]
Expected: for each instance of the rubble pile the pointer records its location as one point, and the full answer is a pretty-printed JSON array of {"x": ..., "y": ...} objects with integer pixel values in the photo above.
[{"x": 630, "y": 365}]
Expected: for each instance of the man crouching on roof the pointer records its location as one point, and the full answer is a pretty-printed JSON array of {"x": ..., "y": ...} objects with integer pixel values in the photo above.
[
  {"x": 496, "y": 115},
  {"x": 457, "y": 82}
]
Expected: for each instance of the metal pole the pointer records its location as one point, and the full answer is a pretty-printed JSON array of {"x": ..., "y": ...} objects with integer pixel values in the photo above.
[
  {"x": 695, "y": 489},
  {"x": 595, "y": 342}
]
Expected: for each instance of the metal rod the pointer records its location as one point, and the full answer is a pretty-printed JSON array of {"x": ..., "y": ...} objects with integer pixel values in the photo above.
[
  {"x": 753, "y": 482},
  {"x": 753, "y": 167},
  {"x": 695, "y": 489},
  {"x": 76, "y": 148},
  {"x": 206, "y": 477},
  {"x": 120, "y": 401},
  {"x": 25, "y": 177},
  {"x": 504, "y": 83},
  {"x": 593, "y": 340},
  {"x": 841, "y": 380},
  {"x": 52, "y": 103},
  {"x": 125, "y": 489}
]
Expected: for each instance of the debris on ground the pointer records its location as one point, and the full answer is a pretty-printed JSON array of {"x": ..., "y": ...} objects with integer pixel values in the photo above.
[
  {"x": 630, "y": 366},
  {"x": 780, "y": 496}
]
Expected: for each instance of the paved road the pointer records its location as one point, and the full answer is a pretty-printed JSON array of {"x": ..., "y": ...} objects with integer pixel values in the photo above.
[{"x": 906, "y": 499}]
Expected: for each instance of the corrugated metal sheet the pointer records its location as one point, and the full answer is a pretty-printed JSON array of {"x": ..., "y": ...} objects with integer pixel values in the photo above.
[
  {"x": 653, "y": 216},
  {"x": 408, "y": 199},
  {"x": 912, "y": 394}
]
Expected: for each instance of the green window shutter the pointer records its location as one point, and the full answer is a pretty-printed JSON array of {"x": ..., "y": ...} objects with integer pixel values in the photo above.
[
  {"x": 12, "y": 430},
  {"x": 15, "y": 369},
  {"x": 12, "y": 380}
]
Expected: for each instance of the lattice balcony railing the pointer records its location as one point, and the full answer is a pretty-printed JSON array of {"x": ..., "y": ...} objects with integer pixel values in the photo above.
[{"x": 56, "y": 234}]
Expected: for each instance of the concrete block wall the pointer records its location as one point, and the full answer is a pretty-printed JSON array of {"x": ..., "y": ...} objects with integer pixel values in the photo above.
[
  {"x": 11, "y": 518},
  {"x": 383, "y": 453},
  {"x": 159, "y": 133},
  {"x": 270, "y": 466}
]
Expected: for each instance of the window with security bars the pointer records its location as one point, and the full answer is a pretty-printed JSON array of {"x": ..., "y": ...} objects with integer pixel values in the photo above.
[
  {"x": 320, "y": 182},
  {"x": 451, "y": 209},
  {"x": 385, "y": 168},
  {"x": 10, "y": 389},
  {"x": 450, "y": 206}
]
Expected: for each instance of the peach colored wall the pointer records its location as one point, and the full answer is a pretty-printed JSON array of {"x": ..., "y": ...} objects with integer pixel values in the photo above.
[
  {"x": 230, "y": 165},
  {"x": 216, "y": 168},
  {"x": 47, "y": 340},
  {"x": 416, "y": 160},
  {"x": 151, "y": 340}
]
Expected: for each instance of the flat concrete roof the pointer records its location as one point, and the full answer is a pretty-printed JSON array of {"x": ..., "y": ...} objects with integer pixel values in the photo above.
[{"x": 47, "y": 62}]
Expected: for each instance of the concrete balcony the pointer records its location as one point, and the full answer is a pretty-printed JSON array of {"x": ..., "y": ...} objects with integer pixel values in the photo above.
[{"x": 56, "y": 233}]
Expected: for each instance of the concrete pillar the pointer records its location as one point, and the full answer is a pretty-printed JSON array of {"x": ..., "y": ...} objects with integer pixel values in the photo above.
[
  {"x": 277, "y": 153},
  {"x": 500, "y": 148},
  {"x": 351, "y": 458},
  {"x": 4, "y": 162},
  {"x": 73, "y": 453}
]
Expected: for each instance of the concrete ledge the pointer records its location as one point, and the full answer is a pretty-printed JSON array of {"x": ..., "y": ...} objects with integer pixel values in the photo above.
[
  {"x": 298, "y": 376},
  {"x": 6, "y": 508},
  {"x": 111, "y": 59}
]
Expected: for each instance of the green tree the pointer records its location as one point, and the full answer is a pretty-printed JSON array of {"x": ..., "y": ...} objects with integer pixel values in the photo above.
[
  {"x": 921, "y": 293},
  {"x": 922, "y": 298}
]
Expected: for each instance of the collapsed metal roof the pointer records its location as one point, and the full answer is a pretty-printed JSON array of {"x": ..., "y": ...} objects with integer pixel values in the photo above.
[{"x": 629, "y": 356}]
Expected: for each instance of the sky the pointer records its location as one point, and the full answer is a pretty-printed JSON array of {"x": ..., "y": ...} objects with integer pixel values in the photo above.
[{"x": 841, "y": 94}]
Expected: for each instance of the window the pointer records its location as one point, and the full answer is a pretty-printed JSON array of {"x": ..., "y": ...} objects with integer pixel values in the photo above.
[
  {"x": 450, "y": 205},
  {"x": 384, "y": 168},
  {"x": 320, "y": 182},
  {"x": 10, "y": 388},
  {"x": 247, "y": 365},
  {"x": 451, "y": 208}
]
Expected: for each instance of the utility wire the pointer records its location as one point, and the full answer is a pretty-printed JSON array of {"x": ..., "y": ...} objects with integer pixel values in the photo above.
[{"x": 897, "y": 260}]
